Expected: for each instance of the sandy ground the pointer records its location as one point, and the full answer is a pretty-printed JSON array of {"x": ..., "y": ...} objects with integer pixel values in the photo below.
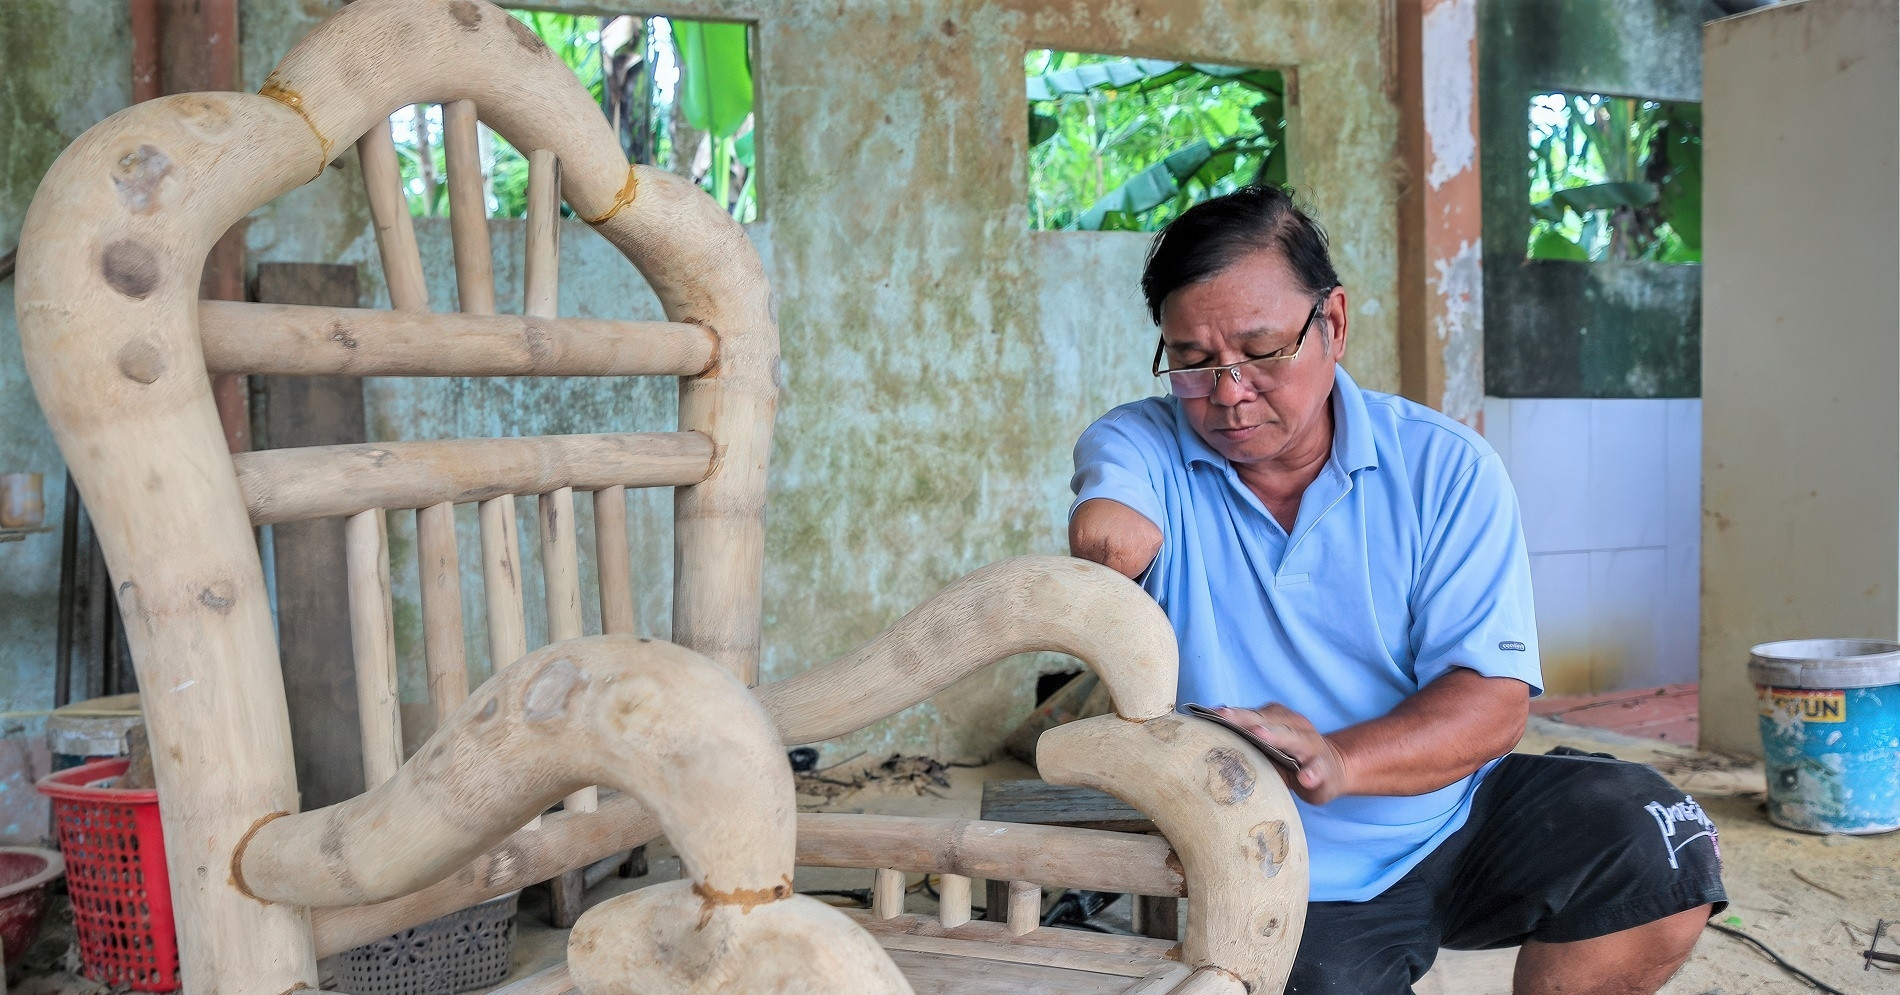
[{"x": 1814, "y": 899}]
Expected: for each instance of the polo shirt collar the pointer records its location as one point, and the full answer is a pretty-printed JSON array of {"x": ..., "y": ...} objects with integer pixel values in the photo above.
[{"x": 1353, "y": 445}]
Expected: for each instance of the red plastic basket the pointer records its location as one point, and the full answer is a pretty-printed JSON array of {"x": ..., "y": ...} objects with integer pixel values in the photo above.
[{"x": 115, "y": 872}]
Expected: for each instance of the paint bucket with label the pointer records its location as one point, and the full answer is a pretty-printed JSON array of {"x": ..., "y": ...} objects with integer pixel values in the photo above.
[{"x": 1830, "y": 731}]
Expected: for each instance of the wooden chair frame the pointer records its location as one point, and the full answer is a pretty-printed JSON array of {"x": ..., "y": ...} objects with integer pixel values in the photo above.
[{"x": 120, "y": 350}]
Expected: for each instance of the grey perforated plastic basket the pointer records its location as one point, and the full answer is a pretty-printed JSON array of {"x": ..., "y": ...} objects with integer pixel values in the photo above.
[{"x": 458, "y": 952}]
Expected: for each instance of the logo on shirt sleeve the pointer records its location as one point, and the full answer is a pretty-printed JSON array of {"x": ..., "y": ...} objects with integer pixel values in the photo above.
[{"x": 1513, "y": 646}]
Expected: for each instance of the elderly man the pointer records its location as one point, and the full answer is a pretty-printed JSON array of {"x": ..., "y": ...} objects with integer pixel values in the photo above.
[{"x": 1346, "y": 576}]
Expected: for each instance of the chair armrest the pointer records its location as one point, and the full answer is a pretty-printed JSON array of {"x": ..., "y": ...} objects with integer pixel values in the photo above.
[{"x": 1230, "y": 819}]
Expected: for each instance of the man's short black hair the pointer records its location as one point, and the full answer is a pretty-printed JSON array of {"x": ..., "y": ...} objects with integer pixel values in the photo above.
[{"x": 1212, "y": 235}]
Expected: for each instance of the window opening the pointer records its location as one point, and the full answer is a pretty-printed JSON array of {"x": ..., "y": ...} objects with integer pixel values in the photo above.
[
  {"x": 678, "y": 93},
  {"x": 1127, "y": 144},
  {"x": 1615, "y": 178}
]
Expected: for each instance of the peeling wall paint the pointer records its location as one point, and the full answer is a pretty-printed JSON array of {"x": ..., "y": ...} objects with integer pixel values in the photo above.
[
  {"x": 940, "y": 358},
  {"x": 1450, "y": 31}
]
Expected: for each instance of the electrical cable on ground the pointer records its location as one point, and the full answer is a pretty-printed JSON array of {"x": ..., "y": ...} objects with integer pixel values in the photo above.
[{"x": 1779, "y": 960}]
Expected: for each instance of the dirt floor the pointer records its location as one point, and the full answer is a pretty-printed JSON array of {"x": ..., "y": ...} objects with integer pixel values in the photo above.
[{"x": 1813, "y": 899}]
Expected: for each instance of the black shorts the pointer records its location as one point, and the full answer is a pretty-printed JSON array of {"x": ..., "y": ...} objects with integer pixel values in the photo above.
[{"x": 1558, "y": 848}]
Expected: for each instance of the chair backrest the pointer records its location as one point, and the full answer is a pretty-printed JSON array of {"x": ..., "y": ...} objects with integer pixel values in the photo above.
[{"x": 121, "y": 350}]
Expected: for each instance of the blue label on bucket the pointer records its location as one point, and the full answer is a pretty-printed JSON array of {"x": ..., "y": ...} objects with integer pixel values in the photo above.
[{"x": 1832, "y": 758}]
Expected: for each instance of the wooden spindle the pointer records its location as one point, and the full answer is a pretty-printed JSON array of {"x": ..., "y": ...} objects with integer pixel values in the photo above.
[
  {"x": 389, "y": 210},
  {"x": 442, "y": 640},
  {"x": 501, "y": 582},
  {"x": 561, "y": 576},
  {"x": 501, "y": 587},
  {"x": 887, "y": 894},
  {"x": 1025, "y": 907},
  {"x": 614, "y": 560},
  {"x": 953, "y": 900},
  {"x": 373, "y": 641},
  {"x": 468, "y": 209},
  {"x": 541, "y": 272}
]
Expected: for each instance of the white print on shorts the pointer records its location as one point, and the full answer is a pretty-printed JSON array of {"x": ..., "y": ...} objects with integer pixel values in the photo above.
[{"x": 1685, "y": 813}]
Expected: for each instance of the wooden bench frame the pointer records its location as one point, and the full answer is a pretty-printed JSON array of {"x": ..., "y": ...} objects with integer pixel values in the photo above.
[{"x": 120, "y": 351}]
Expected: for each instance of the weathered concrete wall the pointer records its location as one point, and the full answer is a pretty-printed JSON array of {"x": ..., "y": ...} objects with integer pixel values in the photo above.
[
  {"x": 940, "y": 359},
  {"x": 64, "y": 65},
  {"x": 1565, "y": 329}
]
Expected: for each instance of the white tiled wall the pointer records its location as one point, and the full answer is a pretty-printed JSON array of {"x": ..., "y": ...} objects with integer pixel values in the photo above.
[{"x": 1611, "y": 493}]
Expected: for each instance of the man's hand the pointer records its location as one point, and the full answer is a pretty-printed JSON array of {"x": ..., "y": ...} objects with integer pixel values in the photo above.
[
  {"x": 1323, "y": 776},
  {"x": 1114, "y": 535},
  {"x": 1444, "y": 732}
]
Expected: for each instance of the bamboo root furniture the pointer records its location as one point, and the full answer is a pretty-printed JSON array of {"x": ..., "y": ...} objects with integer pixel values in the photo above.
[{"x": 120, "y": 350}]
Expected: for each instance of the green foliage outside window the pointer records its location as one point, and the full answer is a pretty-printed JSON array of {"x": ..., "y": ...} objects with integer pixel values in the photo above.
[
  {"x": 1615, "y": 178},
  {"x": 1128, "y": 144},
  {"x": 678, "y": 93}
]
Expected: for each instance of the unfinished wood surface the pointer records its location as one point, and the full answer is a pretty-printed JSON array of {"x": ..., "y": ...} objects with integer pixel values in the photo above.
[
  {"x": 1161, "y": 981},
  {"x": 1212, "y": 981},
  {"x": 444, "y": 648},
  {"x": 468, "y": 209},
  {"x": 222, "y": 745},
  {"x": 363, "y": 342},
  {"x": 613, "y": 560},
  {"x": 297, "y": 484},
  {"x": 552, "y": 981},
  {"x": 1122, "y": 948},
  {"x": 1003, "y": 950},
  {"x": 1045, "y": 804},
  {"x": 314, "y": 641},
  {"x": 389, "y": 214},
  {"x": 1025, "y": 907},
  {"x": 887, "y": 893},
  {"x": 1021, "y": 605},
  {"x": 953, "y": 899},
  {"x": 373, "y": 640},
  {"x": 1060, "y": 857},
  {"x": 944, "y": 974},
  {"x": 1231, "y": 821},
  {"x": 676, "y": 937},
  {"x": 561, "y": 582},
  {"x": 602, "y": 710},
  {"x": 541, "y": 269},
  {"x": 501, "y": 583}
]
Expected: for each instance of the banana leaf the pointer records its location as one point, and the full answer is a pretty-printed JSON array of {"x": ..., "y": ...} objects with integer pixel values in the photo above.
[
  {"x": 1149, "y": 188},
  {"x": 1553, "y": 245},
  {"x": 1142, "y": 74},
  {"x": 1595, "y": 197},
  {"x": 715, "y": 86}
]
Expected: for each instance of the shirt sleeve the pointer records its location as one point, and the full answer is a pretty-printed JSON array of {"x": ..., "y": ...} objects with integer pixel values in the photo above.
[
  {"x": 1471, "y": 605},
  {"x": 1113, "y": 462}
]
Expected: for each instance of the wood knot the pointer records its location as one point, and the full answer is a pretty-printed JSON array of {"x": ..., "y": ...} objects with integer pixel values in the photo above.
[
  {"x": 141, "y": 361},
  {"x": 131, "y": 268}
]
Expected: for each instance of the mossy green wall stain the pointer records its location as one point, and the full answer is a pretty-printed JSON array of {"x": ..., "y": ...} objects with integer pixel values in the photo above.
[{"x": 1563, "y": 329}]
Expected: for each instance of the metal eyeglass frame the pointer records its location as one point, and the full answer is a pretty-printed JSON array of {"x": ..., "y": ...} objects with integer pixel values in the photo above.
[{"x": 1233, "y": 369}]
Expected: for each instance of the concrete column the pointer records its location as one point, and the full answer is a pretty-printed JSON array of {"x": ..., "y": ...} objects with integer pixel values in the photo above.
[
  {"x": 1441, "y": 281},
  {"x": 1800, "y": 339}
]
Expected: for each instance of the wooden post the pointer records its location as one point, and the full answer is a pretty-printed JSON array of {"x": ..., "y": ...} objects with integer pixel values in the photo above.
[
  {"x": 613, "y": 560},
  {"x": 468, "y": 209},
  {"x": 373, "y": 639},
  {"x": 443, "y": 645},
  {"x": 314, "y": 640},
  {"x": 541, "y": 274},
  {"x": 1025, "y": 907},
  {"x": 389, "y": 211},
  {"x": 953, "y": 900},
  {"x": 560, "y": 570},
  {"x": 887, "y": 893}
]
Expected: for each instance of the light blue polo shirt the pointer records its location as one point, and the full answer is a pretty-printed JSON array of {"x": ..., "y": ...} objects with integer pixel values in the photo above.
[{"x": 1407, "y": 559}]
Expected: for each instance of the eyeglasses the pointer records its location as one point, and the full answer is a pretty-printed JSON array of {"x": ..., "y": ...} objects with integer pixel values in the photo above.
[{"x": 1260, "y": 374}]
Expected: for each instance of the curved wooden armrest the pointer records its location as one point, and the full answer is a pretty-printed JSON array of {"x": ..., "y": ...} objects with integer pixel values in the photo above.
[
  {"x": 660, "y": 723},
  {"x": 1019, "y": 605},
  {"x": 1230, "y": 819}
]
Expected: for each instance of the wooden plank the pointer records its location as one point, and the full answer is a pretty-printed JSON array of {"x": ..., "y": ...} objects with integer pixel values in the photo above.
[
  {"x": 941, "y": 974},
  {"x": 365, "y": 342},
  {"x": 468, "y": 209},
  {"x": 314, "y": 640},
  {"x": 552, "y": 981},
  {"x": 292, "y": 485},
  {"x": 1160, "y": 981},
  {"x": 1044, "y": 804},
  {"x": 613, "y": 560},
  {"x": 1123, "y": 949},
  {"x": 373, "y": 642},
  {"x": 443, "y": 645},
  {"x": 989, "y": 942}
]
